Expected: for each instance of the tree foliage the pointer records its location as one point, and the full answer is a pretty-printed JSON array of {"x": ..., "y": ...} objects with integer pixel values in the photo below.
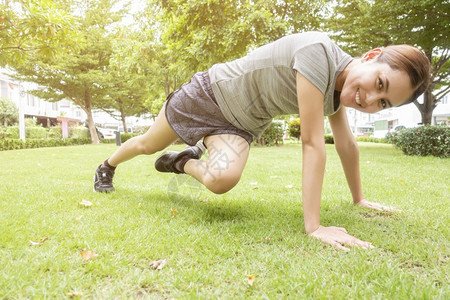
[
  {"x": 34, "y": 28},
  {"x": 203, "y": 32},
  {"x": 126, "y": 77},
  {"x": 9, "y": 113}
]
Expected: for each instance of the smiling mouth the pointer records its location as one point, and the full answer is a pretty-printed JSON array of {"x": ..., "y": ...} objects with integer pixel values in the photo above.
[{"x": 357, "y": 100}]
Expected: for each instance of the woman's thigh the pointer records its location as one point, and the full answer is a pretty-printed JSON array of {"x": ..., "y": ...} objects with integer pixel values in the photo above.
[{"x": 228, "y": 155}]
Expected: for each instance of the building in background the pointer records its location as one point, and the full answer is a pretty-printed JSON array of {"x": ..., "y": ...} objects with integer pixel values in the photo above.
[
  {"x": 49, "y": 114},
  {"x": 43, "y": 112}
]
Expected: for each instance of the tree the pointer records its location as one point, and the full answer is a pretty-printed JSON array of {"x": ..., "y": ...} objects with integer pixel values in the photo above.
[
  {"x": 361, "y": 25},
  {"x": 191, "y": 36},
  {"x": 127, "y": 75},
  {"x": 204, "y": 32},
  {"x": 9, "y": 113},
  {"x": 34, "y": 28},
  {"x": 78, "y": 76}
]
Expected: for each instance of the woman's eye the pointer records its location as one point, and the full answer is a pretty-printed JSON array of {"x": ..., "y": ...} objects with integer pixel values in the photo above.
[
  {"x": 383, "y": 104},
  {"x": 380, "y": 83}
]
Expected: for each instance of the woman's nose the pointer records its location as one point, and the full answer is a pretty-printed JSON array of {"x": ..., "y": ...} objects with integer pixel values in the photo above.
[{"x": 372, "y": 99}]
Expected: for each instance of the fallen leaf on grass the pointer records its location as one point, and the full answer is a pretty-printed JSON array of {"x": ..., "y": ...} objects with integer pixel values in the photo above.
[
  {"x": 39, "y": 243},
  {"x": 250, "y": 279},
  {"x": 78, "y": 219},
  {"x": 158, "y": 264},
  {"x": 289, "y": 186},
  {"x": 69, "y": 183},
  {"x": 255, "y": 185},
  {"x": 85, "y": 203},
  {"x": 74, "y": 294},
  {"x": 88, "y": 255},
  {"x": 174, "y": 212}
]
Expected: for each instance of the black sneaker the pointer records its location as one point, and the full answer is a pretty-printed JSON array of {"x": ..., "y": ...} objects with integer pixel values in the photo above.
[
  {"x": 103, "y": 179},
  {"x": 169, "y": 160}
]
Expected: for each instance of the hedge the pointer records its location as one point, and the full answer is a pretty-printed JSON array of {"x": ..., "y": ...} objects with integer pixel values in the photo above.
[
  {"x": 13, "y": 144},
  {"x": 126, "y": 136},
  {"x": 370, "y": 139},
  {"x": 423, "y": 141}
]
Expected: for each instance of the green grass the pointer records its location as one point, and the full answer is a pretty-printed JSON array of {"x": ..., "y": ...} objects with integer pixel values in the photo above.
[{"x": 214, "y": 242}]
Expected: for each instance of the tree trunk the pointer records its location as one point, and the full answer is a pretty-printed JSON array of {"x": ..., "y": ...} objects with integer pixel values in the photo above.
[
  {"x": 91, "y": 126},
  {"x": 124, "y": 123},
  {"x": 122, "y": 116},
  {"x": 90, "y": 120},
  {"x": 426, "y": 109}
]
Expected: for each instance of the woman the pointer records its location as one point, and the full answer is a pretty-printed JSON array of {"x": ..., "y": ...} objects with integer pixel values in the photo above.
[{"x": 303, "y": 73}]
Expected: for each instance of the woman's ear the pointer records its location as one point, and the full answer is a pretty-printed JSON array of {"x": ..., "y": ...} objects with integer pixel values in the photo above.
[{"x": 372, "y": 54}]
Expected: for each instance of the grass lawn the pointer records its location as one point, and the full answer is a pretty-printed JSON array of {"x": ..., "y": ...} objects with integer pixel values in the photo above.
[{"x": 213, "y": 243}]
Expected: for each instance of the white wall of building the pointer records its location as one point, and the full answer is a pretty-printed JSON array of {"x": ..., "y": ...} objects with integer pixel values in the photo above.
[{"x": 34, "y": 106}]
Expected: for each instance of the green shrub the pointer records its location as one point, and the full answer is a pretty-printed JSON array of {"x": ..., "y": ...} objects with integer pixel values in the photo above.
[
  {"x": 329, "y": 139},
  {"x": 294, "y": 129},
  {"x": 9, "y": 113},
  {"x": 12, "y": 144},
  {"x": 54, "y": 132},
  {"x": 273, "y": 135},
  {"x": 423, "y": 141},
  {"x": 35, "y": 132},
  {"x": 370, "y": 139},
  {"x": 391, "y": 137},
  {"x": 108, "y": 141},
  {"x": 2, "y": 132},
  {"x": 12, "y": 132},
  {"x": 126, "y": 136},
  {"x": 79, "y": 132}
]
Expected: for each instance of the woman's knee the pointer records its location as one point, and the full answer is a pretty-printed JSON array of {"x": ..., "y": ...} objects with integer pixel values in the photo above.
[
  {"x": 143, "y": 145},
  {"x": 221, "y": 184}
]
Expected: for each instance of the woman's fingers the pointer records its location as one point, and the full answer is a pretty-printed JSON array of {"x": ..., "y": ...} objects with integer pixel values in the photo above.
[
  {"x": 338, "y": 237},
  {"x": 340, "y": 247}
]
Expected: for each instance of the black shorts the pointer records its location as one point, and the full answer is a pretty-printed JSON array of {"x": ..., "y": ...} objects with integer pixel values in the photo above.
[{"x": 193, "y": 113}]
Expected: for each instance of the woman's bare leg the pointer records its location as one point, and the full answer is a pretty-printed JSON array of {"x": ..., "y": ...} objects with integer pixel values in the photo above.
[
  {"x": 158, "y": 137},
  {"x": 228, "y": 155}
]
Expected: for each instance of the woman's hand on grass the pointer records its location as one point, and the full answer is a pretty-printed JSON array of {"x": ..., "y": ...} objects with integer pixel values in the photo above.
[
  {"x": 375, "y": 206},
  {"x": 338, "y": 237}
]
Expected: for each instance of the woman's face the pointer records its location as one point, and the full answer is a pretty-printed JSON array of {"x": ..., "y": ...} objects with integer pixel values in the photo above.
[{"x": 370, "y": 86}]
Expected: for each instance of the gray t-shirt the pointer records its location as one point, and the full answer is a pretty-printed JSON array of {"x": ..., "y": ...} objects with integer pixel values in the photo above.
[{"x": 252, "y": 90}]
